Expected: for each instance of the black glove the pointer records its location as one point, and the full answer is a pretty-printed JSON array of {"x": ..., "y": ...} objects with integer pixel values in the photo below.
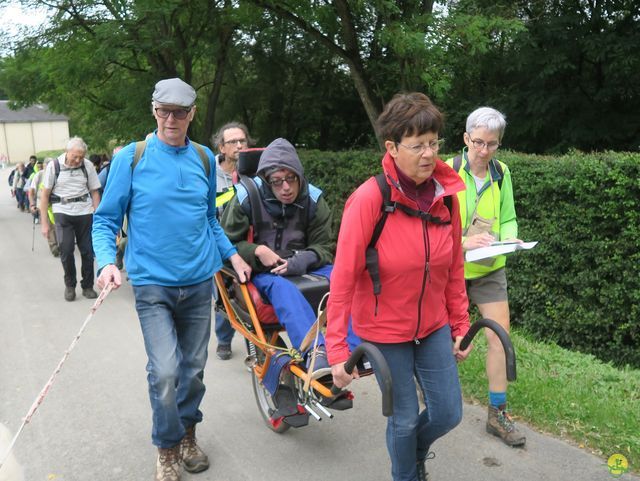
[{"x": 300, "y": 262}]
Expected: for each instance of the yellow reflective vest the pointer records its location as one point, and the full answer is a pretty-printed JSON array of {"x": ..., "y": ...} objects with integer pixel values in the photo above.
[{"x": 494, "y": 199}]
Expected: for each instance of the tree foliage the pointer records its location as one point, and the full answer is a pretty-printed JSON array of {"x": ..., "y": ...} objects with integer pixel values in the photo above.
[{"x": 565, "y": 72}]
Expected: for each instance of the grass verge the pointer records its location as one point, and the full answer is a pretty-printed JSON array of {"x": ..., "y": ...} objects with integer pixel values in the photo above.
[{"x": 567, "y": 394}]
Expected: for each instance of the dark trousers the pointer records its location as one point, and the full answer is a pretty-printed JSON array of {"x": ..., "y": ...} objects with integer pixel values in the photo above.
[{"x": 72, "y": 229}]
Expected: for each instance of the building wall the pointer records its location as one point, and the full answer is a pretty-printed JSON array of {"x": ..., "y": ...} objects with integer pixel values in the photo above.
[
  {"x": 50, "y": 135},
  {"x": 20, "y": 140}
]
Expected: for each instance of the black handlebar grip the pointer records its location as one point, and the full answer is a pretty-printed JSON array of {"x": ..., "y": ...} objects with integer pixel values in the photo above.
[
  {"x": 509, "y": 353},
  {"x": 381, "y": 368}
]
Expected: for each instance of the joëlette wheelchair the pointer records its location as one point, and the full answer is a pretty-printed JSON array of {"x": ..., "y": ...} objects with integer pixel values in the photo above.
[{"x": 285, "y": 391}]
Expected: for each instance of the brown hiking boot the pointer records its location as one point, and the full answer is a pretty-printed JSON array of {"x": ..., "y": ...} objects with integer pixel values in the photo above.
[
  {"x": 193, "y": 458},
  {"x": 169, "y": 465},
  {"x": 500, "y": 423}
]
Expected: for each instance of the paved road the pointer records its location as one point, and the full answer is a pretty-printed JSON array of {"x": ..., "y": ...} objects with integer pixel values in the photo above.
[{"x": 95, "y": 423}]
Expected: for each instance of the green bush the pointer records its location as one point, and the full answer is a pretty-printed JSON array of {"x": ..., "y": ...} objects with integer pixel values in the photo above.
[{"x": 580, "y": 287}]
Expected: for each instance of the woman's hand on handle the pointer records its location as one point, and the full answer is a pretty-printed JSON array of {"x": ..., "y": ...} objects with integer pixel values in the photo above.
[
  {"x": 460, "y": 355},
  {"x": 340, "y": 377}
]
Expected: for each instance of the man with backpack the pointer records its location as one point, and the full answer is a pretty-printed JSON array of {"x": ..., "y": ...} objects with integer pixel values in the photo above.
[
  {"x": 166, "y": 186},
  {"x": 71, "y": 185}
]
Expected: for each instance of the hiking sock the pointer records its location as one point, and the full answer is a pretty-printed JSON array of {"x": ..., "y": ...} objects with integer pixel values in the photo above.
[{"x": 497, "y": 399}]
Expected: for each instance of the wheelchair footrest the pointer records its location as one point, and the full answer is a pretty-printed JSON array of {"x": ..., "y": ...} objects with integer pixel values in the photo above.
[
  {"x": 341, "y": 402},
  {"x": 288, "y": 410}
]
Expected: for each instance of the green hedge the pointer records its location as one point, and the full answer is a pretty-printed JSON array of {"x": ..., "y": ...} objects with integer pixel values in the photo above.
[{"x": 580, "y": 287}]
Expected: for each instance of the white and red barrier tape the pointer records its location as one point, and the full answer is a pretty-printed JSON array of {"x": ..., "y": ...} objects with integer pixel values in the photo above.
[{"x": 45, "y": 390}]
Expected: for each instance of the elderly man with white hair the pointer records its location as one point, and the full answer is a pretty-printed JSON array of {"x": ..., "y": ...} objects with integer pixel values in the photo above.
[{"x": 71, "y": 185}]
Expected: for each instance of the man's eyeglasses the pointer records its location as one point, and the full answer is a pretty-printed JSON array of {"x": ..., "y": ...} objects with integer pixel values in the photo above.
[
  {"x": 236, "y": 141},
  {"x": 278, "y": 181},
  {"x": 420, "y": 149},
  {"x": 481, "y": 144},
  {"x": 178, "y": 114}
]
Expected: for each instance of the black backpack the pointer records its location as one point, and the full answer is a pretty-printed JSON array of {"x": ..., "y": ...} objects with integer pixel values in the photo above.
[
  {"x": 11, "y": 176},
  {"x": 388, "y": 207}
]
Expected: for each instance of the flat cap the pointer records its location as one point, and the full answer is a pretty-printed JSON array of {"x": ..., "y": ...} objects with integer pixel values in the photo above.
[{"x": 175, "y": 92}]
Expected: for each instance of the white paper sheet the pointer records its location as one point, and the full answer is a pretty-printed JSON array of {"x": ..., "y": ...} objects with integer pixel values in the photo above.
[{"x": 497, "y": 248}]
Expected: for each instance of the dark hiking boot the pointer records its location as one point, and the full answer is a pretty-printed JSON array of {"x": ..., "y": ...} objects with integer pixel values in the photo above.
[
  {"x": 89, "y": 293},
  {"x": 193, "y": 458},
  {"x": 223, "y": 351},
  {"x": 169, "y": 464},
  {"x": 69, "y": 293},
  {"x": 421, "y": 468},
  {"x": 500, "y": 424}
]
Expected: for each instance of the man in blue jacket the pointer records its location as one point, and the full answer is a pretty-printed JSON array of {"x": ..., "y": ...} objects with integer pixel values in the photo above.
[{"x": 167, "y": 188}]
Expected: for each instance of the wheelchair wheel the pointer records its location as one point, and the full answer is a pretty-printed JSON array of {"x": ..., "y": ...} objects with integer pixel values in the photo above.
[{"x": 264, "y": 400}]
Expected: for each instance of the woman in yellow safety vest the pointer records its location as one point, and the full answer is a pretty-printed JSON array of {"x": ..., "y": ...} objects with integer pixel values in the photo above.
[{"x": 488, "y": 215}]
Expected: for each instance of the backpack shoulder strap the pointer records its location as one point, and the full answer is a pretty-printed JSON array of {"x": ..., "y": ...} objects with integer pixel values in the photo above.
[
  {"x": 386, "y": 207},
  {"x": 371, "y": 255},
  {"x": 457, "y": 163},
  {"x": 499, "y": 170},
  {"x": 203, "y": 157},
  {"x": 448, "y": 202},
  {"x": 140, "y": 146},
  {"x": 86, "y": 174},
  {"x": 56, "y": 172},
  {"x": 254, "y": 204}
]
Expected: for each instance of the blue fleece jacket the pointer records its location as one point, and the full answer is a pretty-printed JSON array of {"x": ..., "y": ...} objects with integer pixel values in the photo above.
[{"x": 174, "y": 237}]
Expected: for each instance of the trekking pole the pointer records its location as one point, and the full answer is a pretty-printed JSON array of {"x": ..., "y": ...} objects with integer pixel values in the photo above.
[
  {"x": 45, "y": 390},
  {"x": 33, "y": 233}
]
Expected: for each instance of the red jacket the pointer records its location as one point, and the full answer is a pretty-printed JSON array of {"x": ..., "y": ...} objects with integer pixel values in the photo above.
[{"x": 421, "y": 270}]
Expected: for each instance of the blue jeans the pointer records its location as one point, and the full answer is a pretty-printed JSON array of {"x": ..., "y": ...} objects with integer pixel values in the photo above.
[
  {"x": 224, "y": 330},
  {"x": 410, "y": 433},
  {"x": 292, "y": 309},
  {"x": 176, "y": 326}
]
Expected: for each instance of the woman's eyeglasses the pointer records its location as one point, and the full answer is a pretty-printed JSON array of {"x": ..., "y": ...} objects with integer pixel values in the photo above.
[
  {"x": 420, "y": 149},
  {"x": 481, "y": 144}
]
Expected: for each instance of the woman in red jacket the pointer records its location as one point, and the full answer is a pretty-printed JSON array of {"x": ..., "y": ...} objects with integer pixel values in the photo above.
[{"x": 420, "y": 314}]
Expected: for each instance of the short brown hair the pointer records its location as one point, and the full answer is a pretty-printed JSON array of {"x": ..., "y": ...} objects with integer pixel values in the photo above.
[{"x": 409, "y": 114}]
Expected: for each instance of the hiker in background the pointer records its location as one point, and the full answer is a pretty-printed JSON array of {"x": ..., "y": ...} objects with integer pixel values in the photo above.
[
  {"x": 17, "y": 186},
  {"x": 30, "y": 166},
  {"x": 71, "y": 186},
  {"x": 167, "y": 187},
  {"x": 418, "y": 316},
  {"x": 230, "y": 139},
  {"x": 35, "y": 192},
  {"x": 488, "y": 215}
]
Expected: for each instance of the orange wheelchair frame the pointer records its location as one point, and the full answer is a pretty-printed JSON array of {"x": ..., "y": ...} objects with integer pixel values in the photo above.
[{"x": 264, "y": 341}]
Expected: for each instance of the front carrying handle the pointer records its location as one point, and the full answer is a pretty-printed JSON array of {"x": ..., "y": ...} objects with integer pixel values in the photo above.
[
  {"x": 381, "y": 368},
  {"x": 509, "y": 353}
]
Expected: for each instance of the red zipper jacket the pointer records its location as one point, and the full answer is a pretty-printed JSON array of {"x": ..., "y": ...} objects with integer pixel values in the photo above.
[{"x": 421, "y": 269}]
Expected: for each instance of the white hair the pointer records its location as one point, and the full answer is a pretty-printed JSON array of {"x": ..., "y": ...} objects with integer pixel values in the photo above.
[
  {"x": 76, "y": 143},
  {"x": 488, "y": 118}
]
